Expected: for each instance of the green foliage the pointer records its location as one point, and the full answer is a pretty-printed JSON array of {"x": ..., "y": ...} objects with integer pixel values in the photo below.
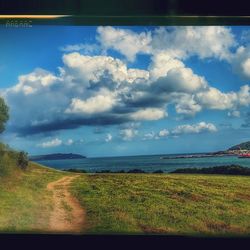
[
  {"x": 225, "y": 170},
  {"x": 4, "y": 114},
  {"x": 22, "y": 160},
  {"x": 74, "y": 170},
  {"x": 8, "y": 158}
]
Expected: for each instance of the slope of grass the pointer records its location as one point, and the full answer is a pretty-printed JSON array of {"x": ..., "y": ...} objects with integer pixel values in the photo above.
[
  {"x": 127, "y": 203},
  {"x": 166, "y": 203},
  {"x": 25, "y": 203}
]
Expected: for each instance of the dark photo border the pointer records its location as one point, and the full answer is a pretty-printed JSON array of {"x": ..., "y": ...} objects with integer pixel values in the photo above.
[{"x": 130, "y": 12}]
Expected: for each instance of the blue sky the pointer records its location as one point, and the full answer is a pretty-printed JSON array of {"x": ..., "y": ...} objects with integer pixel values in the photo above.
[{"x": 110, "y": 91}]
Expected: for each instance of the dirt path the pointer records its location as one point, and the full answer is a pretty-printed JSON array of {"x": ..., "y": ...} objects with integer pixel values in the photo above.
[{"x": 68, "y": 216}]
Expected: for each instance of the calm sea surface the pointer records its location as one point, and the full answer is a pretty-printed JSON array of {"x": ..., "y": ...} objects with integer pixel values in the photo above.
[{"x": 146, "y": 163}]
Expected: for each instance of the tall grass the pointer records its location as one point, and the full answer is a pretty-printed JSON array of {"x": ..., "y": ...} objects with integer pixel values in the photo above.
[
  {"x": 8, "y": 160},
  {"x": 26, "y": 203}
]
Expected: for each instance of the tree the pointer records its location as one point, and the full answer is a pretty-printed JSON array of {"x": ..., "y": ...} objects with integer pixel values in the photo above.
[{"x": 4, "y": 114}]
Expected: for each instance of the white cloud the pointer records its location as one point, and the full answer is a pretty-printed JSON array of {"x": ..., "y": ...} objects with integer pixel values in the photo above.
[
  {"x": 127, "y": 42},
  {"x": 149, "y": 136},
  {"x": 92, "y": 105},
  {"x": 149, "y": 114},
  {"x": 244, "y": 95},
  {"x": 241, "y": 62},
  {"x": 163, "y": 133},
  {"x": 69, "y": 142},
  {"x": 180, "y": 80},
  {"x": 161, "y": 63},
  {"x": 186, "y": 105},
  {"x": 194, "y": 128},
  {"x": 86, "y": 49},
  {"x": 186, "y": 41},
  {"x": 92, "y": 69},
  {"x": 155, "y": 136},
  {"x": 178, "y": 42},
  {"x": 234, "y": 113},
  {"x": 87, "y": 86},
  {"x": 128, "y": 133},
  {"x": 53, "y": 143},
  {"x": 215, "y": 99},
  {"x": 108, "y": 138},
  {"x": 33, "y": 82}
]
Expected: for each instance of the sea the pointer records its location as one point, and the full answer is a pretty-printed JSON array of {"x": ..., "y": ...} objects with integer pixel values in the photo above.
[{"x": 147, "y": 163}]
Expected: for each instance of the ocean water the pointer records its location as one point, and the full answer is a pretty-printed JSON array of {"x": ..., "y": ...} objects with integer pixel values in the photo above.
[{"x": 147, "y": 163}]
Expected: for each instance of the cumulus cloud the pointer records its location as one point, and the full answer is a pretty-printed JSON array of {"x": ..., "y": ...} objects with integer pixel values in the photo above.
[
  {"x": 241, "y": 62},
  {"x": 85, "y": 48},
  {"x": 194, "y": 128},
  {"x": 95, "y": 104},
  {"x": 127, "y": 42},
  {"x": 149, "y": 114},
  {"x": 186, "y": 105},
  {"x": 163, "y": 133},
  {"x": 108, "y": 137},
  {"x": 59, "y": 142},
  {"x": 102, "y": 90},
  {"x": 34, "y": 82},
  {"x": 49, "y": 144},
  {"x": 234, "y": 113},
  {"x": 178, "y": 42},
  {"x": 197, "y": 128},
  {"x": 69, "y": 142},
  {"x": 180, "y": 80},
  {"x": 128, "y": 134},
  {"x": 215, "y": 99},
  {"x": 244, "y": 95},
  {"x": 155, "y": 136},
  {"x": 149, "y": 136},
  {"x": 203, "y": 41}
]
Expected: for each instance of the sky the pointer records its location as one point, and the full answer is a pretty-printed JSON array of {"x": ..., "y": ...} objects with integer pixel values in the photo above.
[{"x": 125, "y": 90}]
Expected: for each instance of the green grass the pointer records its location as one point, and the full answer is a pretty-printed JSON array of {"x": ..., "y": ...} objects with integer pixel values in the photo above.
[
  {"x": 190, "y": 204},
  {"x": 25, "y": 201},
  {"x": 165, "y": 203}
]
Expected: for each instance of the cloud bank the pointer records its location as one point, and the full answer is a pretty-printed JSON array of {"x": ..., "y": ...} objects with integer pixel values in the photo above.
[{"x": 102, "y": 90}]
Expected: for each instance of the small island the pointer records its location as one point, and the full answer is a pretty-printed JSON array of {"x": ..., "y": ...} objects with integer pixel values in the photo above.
[{"x": 58, "y": 156}]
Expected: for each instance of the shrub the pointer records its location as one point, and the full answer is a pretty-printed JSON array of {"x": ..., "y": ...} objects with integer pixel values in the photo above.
[
  {"x": 22, "y": 160},
  {"x": 4, "y": 114},
  {"x": 158, "y": 172},
  {"x": 136, "y": 171}
]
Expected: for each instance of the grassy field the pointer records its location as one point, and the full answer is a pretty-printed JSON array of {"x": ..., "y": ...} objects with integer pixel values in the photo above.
[
  {"x": 187, "y": 204},
  {"x": 25, "y": 201},
  {"x": 165, "y": 203}
]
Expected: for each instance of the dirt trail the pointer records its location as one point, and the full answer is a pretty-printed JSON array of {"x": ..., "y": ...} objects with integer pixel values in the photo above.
[{"x": 68, "y": 216}]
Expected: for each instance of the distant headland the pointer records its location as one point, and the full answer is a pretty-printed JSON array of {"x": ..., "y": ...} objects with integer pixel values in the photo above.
[
  {"x": 232, "y": 151},
  {"x": 58, "y": 156}
]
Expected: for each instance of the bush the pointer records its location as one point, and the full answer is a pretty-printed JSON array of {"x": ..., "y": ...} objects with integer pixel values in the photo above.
[
  {"x": 229, "y": 170},
  {"x": 73, "y": 170},
  {"x": 158, "y": 172},
  {"x": 136, "y": 171},
  {"x": 22, "y": 160},
  {"x": 4, "y": 114}
]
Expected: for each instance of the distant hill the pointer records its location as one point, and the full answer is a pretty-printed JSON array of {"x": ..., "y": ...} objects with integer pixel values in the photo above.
[
  {"x": 56, "y": 157},
  {"x": 243, "y": 146}
]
